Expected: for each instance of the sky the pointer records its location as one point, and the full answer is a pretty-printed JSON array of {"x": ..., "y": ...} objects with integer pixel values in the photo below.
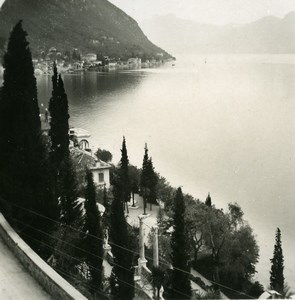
[{"x": 207, "y": 11}]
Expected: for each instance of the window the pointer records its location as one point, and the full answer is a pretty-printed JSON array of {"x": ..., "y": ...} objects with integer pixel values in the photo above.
[{"x": 100, "y": 177}]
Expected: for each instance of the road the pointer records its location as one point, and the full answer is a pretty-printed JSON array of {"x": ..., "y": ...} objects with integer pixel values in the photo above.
[{"x": 15, "y": 282}]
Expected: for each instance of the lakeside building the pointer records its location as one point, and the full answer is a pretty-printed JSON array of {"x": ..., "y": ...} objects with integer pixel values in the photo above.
[
  {"x": 82, "y": 154},
  {"x": 99, "y": 168}
]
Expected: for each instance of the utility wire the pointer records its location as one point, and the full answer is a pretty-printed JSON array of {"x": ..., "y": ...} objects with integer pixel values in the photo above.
[
  {"x": 68, "y": 243},
  {"x": 129, "y": 250},
  {"x": 74, "y": 258}
]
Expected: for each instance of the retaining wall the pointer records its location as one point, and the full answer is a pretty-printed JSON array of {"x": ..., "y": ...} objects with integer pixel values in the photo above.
[{"x": 50, "y": 280}]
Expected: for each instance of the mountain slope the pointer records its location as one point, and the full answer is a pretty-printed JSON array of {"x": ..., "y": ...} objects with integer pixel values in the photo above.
[
  {"x": 267, "y": 35},
  {"x": 89, "y": 25}
]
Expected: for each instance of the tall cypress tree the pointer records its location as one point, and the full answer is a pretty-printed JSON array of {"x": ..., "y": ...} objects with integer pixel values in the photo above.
[
  {"x": 59, "y": 123},
  {"x": 208, "y": 201},
  {"x": 277, "y": 265},
  {"x": 94, "y": 238},
  {"x": 180, "y": 285},
  {"x": 152, "y": 184},
  {"x": 71, "y": 213},
  {"x": 125, "y": 186},
  {"x": 148, "y": 181},
  {"x": 25, "y": 180},
  {"x": 144, "y": 178},
  {"x": 122, "y": 278},
  {"x": 19, "y": 119}
]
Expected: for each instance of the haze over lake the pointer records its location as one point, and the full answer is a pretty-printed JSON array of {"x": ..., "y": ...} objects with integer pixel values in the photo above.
[{"x": 218, "y": 124}]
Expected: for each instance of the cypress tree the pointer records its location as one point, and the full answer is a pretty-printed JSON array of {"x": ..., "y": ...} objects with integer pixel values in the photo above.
[
  {"x": 59, "y": 123},
  {"x": 277, "y": 265},
  {"x": 122, "y": 278},
  {"x": 71, "y": 213},
  {"x": 180, "y": 284},
  {"x": 20, "y": 125},
  {"x": 25, "y": 178},
  {"x": 144, "y": 178},
  {"x": 152, "y": 183},
  {"x": 208, "y": 201},
  {"x": 125, "y": 186},
  {"x": 148, "y": 181},
  {"x": 94, "y": 238}
]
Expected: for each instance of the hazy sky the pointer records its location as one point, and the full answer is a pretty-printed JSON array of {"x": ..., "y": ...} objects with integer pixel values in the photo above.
[{"x": 206, "y": 11}]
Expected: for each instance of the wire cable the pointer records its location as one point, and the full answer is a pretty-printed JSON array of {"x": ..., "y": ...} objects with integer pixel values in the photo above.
[{"x": 111, "y": 243}]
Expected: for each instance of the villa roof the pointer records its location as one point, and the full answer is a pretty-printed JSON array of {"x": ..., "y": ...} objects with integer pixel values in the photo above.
[{"x": 85, "y": 159}]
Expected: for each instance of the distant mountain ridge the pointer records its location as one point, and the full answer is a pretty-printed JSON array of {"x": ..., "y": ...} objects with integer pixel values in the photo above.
[
  {"x": 267, "y": 35},
  {"x": 89, "y": 25}
]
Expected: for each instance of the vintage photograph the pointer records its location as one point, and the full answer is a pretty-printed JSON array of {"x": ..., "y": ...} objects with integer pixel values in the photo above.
[{"x": 147, "y": 149}]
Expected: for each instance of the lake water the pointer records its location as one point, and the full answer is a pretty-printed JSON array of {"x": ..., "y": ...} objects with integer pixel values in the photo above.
[{"x": 226, "y": 127}]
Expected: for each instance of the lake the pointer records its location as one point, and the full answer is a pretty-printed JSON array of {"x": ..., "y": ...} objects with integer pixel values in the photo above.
[{"x": 223, "y": 124}]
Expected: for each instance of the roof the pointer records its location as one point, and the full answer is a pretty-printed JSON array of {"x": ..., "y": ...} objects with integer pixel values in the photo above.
[{"x": 86, "y": 159}]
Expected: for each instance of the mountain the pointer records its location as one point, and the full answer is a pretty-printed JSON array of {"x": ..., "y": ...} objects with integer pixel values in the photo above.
[
  {"x": 89, "y": 25},
  {"x": 267, "y": 35}
]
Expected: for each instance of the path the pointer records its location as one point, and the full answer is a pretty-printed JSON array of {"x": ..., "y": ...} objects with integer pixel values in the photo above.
[
  {"x": 15, "y": 282},
  {"x": 149, "y": 222}
]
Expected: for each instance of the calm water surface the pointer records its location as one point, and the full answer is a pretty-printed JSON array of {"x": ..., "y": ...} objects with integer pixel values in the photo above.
[{"x": 226, "y": 126}]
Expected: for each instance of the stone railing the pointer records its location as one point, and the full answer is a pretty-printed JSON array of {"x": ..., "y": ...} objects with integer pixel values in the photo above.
[{"x": 56, "y": 286}]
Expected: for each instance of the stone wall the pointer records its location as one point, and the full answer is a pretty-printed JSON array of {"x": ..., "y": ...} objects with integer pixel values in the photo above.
[{"x": 51, "y": 281}]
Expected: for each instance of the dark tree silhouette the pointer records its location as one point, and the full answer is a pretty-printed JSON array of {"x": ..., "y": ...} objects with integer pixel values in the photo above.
[
  {"x": 208, "y": 201},
  {"x": 277, "y": 265},
  {"x": 59, "y": 123},
  {"x": 24, "y": 175},
  {"x": 148, "y": 181},
  {"x": 94, "y": 237},
  {"x": 180, "y": 282},
  {"x": 122, "y": 278},
  {"x": 71, "y": 212}
]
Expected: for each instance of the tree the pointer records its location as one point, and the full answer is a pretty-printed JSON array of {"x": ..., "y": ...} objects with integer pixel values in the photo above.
[
  {"x": 148, "y": 181},
  {"x": 123, "y": 172},
  {"x": 208, "y": 201},
  {"x": 238, "y": 258},
  {"x": 71, "y": 211},
  {"x": 277, "y": 265},
  {"x": 94, "y": 235},
  {"x": 158, "y": 275},
  {"x": 134, "y": 176},
  {"x": 144, "y": 178},
  {"x": 25, "y": 178},
  {"x": 122, "y": 278},
  {"x": 180, "y": 283},
  {"x": 59, "y": 123},
  {"x": 104, "y": 155},
  {"x": 152, "y": 183}
]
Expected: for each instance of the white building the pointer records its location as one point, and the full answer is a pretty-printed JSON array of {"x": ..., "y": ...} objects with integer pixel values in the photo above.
[{"x": 101, "y": 173}]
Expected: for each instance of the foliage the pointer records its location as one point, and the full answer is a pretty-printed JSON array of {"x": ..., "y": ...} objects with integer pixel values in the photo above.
[
  {"x": 208, "y": 201},
  {"x": 238, "y": 258},
  {"x": 94, "y": 235},
  {"x": 59, "y": 123},
  {"x": 71, "y": 211},
  {"x": 134, "y": 175},
  {"x": 123, "y": 176},
  {"x": 24, "y": 168},
  {"x": 277, "y": 265},
  {"x": 148, "y": 181},
  {"x": 180, "y": 282},
  {"x": 122, "y": 278},
  {"x": 158, "y": 275},
  {"x": 104, "y": 155}
]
